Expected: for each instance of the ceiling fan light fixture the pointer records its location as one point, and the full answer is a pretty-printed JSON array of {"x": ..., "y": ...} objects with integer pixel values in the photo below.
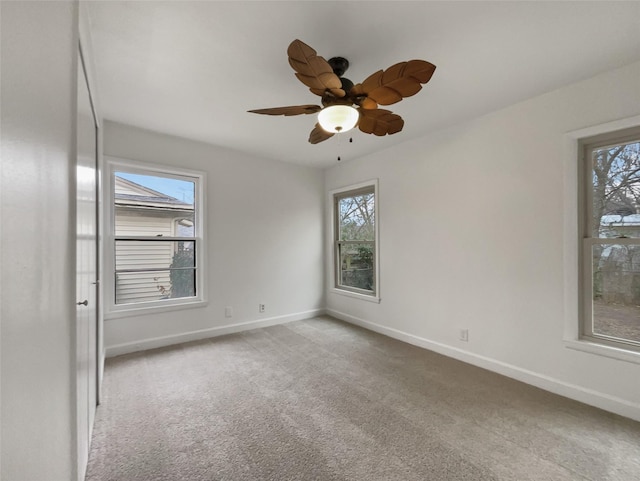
[
  {"x": 339, "y": 95},
  {"x": 338, "y": 118}
]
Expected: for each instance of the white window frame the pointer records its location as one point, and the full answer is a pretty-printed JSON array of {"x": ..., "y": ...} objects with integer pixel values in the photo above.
[
  {"x": 334, "y": 286},
  {"x": 586, "y": 147},
  {"x": 113, "y": 310}
]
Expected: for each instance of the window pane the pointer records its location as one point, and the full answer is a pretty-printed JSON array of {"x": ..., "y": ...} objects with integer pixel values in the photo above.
[
  {"x": 149, "y": 205},
  {"x": 153, "y": 270},
  {"x": 616, "y": 191},
  {"x": 356, "y": 217},
  {"x": 616, "y": 291},
  {"x": 135, "y": 287},
  {"x": 356, "y": 265},
  {"x": 154, "y": 254}
]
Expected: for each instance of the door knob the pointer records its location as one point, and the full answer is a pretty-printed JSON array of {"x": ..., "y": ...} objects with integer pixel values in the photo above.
[{"x": 83, "y": 303}]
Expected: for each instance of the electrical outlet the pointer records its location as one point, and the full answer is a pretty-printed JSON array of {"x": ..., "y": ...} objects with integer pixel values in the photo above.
[
  {"x": 228, "y": 311},
  {"x": 261, "y": 307},
  {"x": 464, "y": 335}
]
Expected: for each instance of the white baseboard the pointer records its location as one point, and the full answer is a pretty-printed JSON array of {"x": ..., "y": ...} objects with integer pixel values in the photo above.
[
  {"x": 152, "y": 343},
  {"x": 571, "y": 391}
]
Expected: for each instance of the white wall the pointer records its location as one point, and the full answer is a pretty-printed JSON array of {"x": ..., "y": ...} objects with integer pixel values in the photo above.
[
  {"x": 39, "y": 51},
  {"x": 472, "y": 236},
  {"x": 265, "y": 230}
]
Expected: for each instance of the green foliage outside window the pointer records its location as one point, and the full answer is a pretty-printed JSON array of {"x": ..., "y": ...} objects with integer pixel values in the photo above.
[{"x": 182, "y": 280}]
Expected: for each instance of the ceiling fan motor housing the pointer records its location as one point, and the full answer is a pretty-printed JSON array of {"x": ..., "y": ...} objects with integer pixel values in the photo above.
[
  {"x": 329, "y": 99},
  {"x": 347, "y": 84},
  {"x": 339, "y": 65}
]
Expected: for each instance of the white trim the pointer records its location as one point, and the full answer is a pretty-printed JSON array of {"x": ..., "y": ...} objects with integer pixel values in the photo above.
[
  {"x": 573, "y": 238},
  {"x": 599, "y": 129},
  {"x": 359, "y": 185},
  {"x": 155, "y": 342},
  {"x": 603, "y": 350},
  {"x": 355, "y": 295},
  {"x": 86, "y": 51},
  {"x": 113, "y": 310},
  {"x": 556, "y": 386},
  {"x": 331, "y": 253},
  {"x": 155, "y": 307}
]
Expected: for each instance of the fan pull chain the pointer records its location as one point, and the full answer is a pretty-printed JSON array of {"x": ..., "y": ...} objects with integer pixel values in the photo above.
[{"x": 339, "y": 145}]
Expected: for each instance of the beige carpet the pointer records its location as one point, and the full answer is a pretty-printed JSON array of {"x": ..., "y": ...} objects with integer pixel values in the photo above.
[{"x": 323, "y": 400}]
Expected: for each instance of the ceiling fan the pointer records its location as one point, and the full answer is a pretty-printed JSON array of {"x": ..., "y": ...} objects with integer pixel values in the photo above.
[{"x": 345, "y": 105}]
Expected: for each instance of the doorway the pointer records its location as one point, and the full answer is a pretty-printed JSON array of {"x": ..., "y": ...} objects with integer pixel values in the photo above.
[{"x": 87, "y": 275}]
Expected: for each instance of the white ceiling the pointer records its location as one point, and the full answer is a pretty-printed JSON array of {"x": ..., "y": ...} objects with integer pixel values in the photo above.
[{"x": 193, "y": 69}]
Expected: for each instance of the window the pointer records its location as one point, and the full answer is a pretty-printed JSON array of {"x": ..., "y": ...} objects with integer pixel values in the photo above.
[
  {"x": 611, "y": 239},
  {"x": 355, "y": 240},
  {"x": 155, "y": 240}
]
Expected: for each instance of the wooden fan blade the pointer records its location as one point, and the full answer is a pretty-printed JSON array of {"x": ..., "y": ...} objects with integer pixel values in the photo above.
[
  {"x": 359, "y": 97},
  {"x": 318, "y": 134},
  {"x": 379, "y": 122},
  {"x": 287, "y": 111},
  {"x": 313, "y": 70},
  {"x": 368, "y": 104},
  {"x": 401, "y": 80}
]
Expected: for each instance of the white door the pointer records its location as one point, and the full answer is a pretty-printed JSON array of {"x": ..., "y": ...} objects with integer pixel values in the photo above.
[{"x": 86, "y": 271}]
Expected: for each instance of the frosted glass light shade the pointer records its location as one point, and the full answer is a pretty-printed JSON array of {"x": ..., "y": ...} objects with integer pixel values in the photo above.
[{"x": 338, "y": 118}]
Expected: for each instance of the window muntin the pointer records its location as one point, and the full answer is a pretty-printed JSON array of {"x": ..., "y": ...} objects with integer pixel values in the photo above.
[
  {"x": 355, "y": 240},
  {"x": 155, "y": 224},
  {"x": 611, "y": 244}
]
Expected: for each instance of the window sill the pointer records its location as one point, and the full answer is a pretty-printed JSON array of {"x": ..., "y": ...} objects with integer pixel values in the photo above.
[
  {"x": 603, "y": 350},
  {"x": 355, "y": 295},
  {"x": 122, "y": 312}
]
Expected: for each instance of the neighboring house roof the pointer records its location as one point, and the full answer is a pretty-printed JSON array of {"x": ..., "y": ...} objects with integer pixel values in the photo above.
[
  {"x": 632, "y": 220},
  {"x": 617, "y": 226},
  {"x": 130, "y": 194}
]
